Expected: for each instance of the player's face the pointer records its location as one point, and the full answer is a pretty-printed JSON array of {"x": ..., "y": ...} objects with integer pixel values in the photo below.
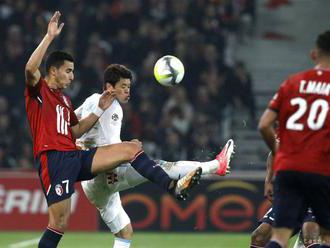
[
  {"x": 64, "y": 74},
  {"x": 123, "y": 88}
]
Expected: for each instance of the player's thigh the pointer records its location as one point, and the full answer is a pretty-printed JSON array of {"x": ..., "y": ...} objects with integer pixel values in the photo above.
[
  {"x": 59, "y": 214},
  {"x": 58, "y": 172},
  {"x": 289, "y": 204},
  {"x": 128, "y": 177},
  {"x": 109, "y": 157},
  {"x": 97, "y": 191}
]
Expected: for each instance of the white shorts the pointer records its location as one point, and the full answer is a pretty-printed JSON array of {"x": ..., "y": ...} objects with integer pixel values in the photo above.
[
  {"x": 118, "y": 223},
  {"x": 104, "y": 195}
]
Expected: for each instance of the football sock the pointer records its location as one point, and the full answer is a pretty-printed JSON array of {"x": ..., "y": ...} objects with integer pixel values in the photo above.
[
  {"x": 121, "y": 243},
  {"x": 314, "y": 246},
  {"x": 325, "y": 246},
  {"x": 209, "y": 167},
  {"x": 273, "y": 244},
  {"x": 50, "y": 238},
  {"x": 153, "y": 172}
]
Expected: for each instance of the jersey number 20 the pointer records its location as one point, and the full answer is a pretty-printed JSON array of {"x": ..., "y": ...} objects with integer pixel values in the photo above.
[{"x": 316, "y": 116}]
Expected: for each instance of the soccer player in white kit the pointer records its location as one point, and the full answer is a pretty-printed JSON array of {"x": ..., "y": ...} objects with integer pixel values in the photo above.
[{"x": 103, "y": 190}]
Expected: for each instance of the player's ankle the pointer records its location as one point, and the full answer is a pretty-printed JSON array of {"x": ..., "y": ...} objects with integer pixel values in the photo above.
[{"x": 171, "y": 186}]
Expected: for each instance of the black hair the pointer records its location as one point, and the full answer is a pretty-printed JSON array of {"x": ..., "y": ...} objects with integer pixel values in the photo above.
[
  {"x": 57, "y": 59},
  {"x": 114, "y": 72},
  {"x": 323, "y": 42}
]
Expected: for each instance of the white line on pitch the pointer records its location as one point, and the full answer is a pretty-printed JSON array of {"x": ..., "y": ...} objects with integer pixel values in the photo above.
[{"x": 25, "y": 243}]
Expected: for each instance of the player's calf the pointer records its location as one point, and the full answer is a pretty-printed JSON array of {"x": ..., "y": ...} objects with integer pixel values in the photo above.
[
  {"x": 261, "y": 235},
  {"x": 59, "y": 214},
  {"x": 310, "y": 234}
]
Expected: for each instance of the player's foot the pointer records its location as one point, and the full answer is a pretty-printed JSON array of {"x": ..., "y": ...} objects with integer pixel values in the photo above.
[
  {"x": 224, "y": 158},
  {"x": 184, "y": 184}
]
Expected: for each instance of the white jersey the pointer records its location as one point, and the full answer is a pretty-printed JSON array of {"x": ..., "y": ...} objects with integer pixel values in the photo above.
[{"x": 107, "y": 129}]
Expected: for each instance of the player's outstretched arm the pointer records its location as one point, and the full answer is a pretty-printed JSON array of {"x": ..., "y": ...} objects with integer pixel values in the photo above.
[
  {"x": 32, "y": 73},
  {"x": 85, "y": 124}
]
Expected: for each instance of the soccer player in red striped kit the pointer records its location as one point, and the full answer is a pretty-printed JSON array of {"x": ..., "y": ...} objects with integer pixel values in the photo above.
[
  {"x": 302, "y": 158},
  {"x": 54, "y": 128}
]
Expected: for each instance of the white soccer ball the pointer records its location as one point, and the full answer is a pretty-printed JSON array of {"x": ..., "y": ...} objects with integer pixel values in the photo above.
[{"x": 169, "y": 70}]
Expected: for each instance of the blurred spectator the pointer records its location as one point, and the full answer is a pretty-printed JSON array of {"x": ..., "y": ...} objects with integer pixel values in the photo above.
[
  {"x": 245, "y": 91},
  {"x": 135, "y": 33},
  {"x": 171, "y": 150}
]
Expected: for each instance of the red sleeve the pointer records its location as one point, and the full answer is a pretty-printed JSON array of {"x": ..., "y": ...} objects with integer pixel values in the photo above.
[
  {"x": 33, "y": 91},
  {"x": 73, "y": 117},
  {"x": 277, "y": 99}
]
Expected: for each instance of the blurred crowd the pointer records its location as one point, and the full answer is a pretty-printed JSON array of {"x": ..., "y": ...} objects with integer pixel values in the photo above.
[{"x": 182, "y": 122}]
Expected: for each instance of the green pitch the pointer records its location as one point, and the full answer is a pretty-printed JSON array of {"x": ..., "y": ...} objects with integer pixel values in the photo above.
[{"x": 140, "y": 240}]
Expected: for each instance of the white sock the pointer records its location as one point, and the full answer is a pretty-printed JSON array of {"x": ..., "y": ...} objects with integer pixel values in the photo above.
[
  {"x": 121, "y": 243},
  {"x": 210, "y": 167},
  {"x": 179, "y": 169}
]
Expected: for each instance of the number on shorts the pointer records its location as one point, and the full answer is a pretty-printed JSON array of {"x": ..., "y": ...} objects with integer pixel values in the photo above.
[
  {"x": 66, "y": 182},
  {"x": 316, "y": 116}
]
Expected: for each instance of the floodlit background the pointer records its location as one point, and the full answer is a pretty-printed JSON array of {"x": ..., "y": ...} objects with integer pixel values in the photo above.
[{"x": 236, "y": 53}]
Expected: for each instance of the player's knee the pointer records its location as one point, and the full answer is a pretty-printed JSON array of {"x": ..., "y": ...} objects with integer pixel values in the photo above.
[
  {"x": 128, "y": 235},
  {"x": 131, "y": 150},
  {"x": 125, "y": 233},
  {"x": 59, "y": 222},
  {"x": 260, "y": 237}
]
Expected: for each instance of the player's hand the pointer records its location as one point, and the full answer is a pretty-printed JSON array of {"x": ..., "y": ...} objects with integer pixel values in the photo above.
[
  {"x": 269, "y": 191},
  {"x": 106, "y": 99},
  {"x": 53, "y": 28}
]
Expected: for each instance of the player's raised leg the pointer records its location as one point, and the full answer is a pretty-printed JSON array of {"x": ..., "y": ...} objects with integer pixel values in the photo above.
[
  {"x": 108, "y": 157},
  {"x": 129, "y": 177}
]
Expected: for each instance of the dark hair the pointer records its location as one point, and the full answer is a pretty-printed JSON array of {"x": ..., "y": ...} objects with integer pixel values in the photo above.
[
  {"x": 57, "y": 59},
  {"x": 323, "y": 42},
  {"x": 114, "y": 72}
]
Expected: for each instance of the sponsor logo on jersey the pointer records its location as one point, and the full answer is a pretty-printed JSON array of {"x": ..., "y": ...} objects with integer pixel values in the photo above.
[
  {"x": 59, "y": 189},
  {"x": 115, "y": 117}
]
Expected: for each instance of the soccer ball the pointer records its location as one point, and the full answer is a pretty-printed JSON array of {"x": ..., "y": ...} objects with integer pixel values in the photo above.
[{"x": 169, "y": 70}]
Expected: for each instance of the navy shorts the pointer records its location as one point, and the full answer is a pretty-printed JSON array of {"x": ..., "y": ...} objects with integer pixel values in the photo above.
[
  {"x": 269, "y": 218},
  {"x": 59, "y": 170},
  {"x": 295, "y": 192}
]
